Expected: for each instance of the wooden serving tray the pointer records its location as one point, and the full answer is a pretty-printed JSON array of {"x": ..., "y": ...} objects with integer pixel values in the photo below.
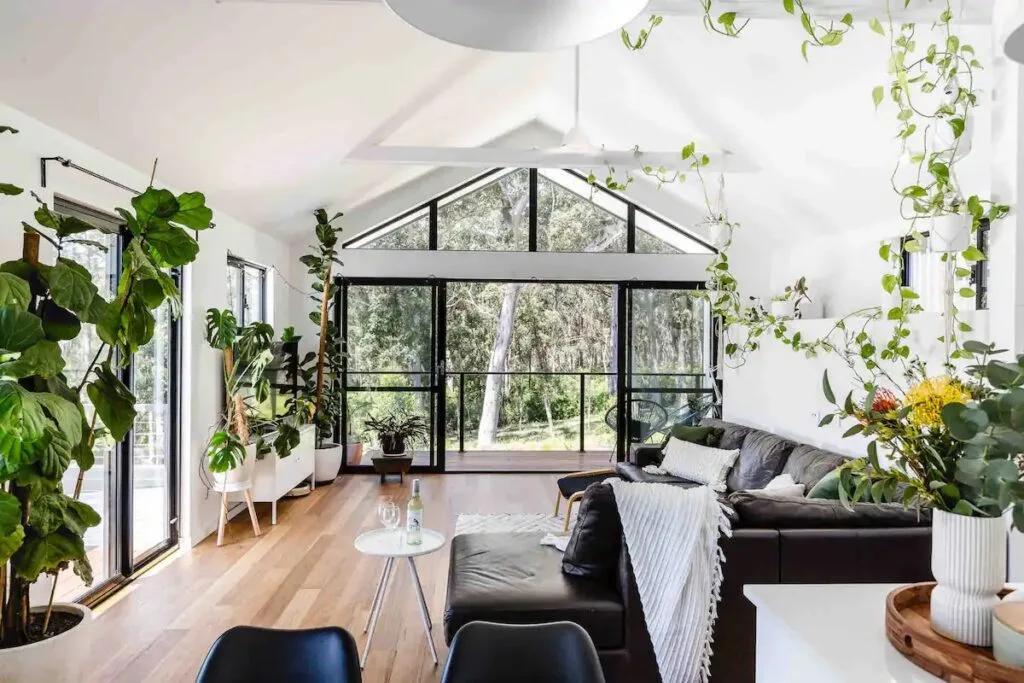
[{"x": 908, "y": 628}]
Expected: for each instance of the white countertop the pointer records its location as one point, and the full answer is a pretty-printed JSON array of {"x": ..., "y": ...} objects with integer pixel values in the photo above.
[{"x": 830, "y": 633}]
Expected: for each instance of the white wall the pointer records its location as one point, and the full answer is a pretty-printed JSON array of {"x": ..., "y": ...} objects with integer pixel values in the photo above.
[{"x": 204, "y": 287}]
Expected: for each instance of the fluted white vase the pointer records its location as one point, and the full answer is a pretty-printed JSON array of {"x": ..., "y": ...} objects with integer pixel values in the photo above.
[{"x": 969, "y": 564}]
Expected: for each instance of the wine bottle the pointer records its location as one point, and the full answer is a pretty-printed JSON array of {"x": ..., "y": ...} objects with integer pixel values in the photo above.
[{"x": 414, "y": 516}]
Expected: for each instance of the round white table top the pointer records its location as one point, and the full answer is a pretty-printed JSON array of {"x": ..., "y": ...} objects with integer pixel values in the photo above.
[{"x": 385, "y": 543}]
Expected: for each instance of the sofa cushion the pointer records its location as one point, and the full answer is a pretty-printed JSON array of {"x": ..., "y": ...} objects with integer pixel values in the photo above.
[
  {"x": 705, "y": 435},
  {"x": 630, "y": 472},
  {"x": 513, "y": 579},
  {"x": 698, "y": 463},
  {"x": 596, "y": 541},
  {"x": 762, "y": 457},
  {"x": 762, "y": 512},
  {"x": 808, "y": 465},
  {"x": 732, "y": 434}
]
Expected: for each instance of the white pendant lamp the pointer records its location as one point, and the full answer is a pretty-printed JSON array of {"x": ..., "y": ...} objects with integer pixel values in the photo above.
[
  {"x": 517, "y": 25},
  {"x": 1014, "y": 46}
]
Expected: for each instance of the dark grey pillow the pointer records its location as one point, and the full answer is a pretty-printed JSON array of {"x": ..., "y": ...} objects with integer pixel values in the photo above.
[
  {"x": 596, "y": 540},
  {"x": 807, "y": 464},
  {"x": 732, "y": 434},
  {"x": 762, "y": 457},
  {"x": 758, "y": 511}
]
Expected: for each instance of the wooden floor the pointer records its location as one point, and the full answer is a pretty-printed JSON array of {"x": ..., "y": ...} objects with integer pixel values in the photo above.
[
  {"x": 303, "y": 572},
  {"x": 518, "y": 461}
]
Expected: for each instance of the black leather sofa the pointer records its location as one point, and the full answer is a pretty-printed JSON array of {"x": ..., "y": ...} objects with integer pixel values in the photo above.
[{"x": 511, "y": 578}]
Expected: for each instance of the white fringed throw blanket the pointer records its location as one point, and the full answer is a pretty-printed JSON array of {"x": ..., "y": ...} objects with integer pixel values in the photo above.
[{"x": 672, "y": 539}]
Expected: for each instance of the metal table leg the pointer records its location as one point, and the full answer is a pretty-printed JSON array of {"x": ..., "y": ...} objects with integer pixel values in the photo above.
[
  {"x": 423, "y": 608},
  {"x": 374, "y": 615},
  {"x": 380, "y": 588}
]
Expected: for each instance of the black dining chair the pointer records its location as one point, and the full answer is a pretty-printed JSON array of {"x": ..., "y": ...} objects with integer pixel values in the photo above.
[
  {"x": 558, "y": 652},
  {"x": 250, "y": 654}
]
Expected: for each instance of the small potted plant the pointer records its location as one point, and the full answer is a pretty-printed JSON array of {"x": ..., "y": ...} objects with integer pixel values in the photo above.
[
  {"x": 787, "y": 304},
  {"x": 395, "y": 432}
]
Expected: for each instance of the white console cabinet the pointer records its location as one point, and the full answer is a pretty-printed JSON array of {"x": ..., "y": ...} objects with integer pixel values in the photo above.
[{"x": 273, "y": 476}]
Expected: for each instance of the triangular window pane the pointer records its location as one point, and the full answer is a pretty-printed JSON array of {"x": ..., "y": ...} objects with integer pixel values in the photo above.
[
  {"x": 411, "y": 232},
  {"x": 574, "y": 216},
  {"x": 491, "y": 216},
  {"x": 655, "y": 236}
]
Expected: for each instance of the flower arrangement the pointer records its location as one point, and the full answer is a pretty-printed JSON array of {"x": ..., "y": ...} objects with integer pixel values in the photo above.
[{"x": 946, "y": 442}]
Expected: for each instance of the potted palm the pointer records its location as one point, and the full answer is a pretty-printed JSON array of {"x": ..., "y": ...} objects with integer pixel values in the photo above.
[
  {"x": 45, "y": 424},
  {"x": 323, "y": 381},
  {"x": 395, "y": 432},
  {"x": 953, "y": 443}
]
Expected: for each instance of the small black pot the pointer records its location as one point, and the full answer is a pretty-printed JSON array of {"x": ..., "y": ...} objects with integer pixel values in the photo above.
[{"x": 391, "y": 444}]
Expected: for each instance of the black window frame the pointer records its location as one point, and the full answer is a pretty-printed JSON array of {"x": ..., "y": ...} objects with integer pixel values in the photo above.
[
  {"x": 979, "y": 273},
  {"x": 632, "y": 208},
  {"x": 244, "y": 267}
]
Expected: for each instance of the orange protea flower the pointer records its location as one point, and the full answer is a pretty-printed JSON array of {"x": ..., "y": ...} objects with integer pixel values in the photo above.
[{"x": 885, "y": 401}]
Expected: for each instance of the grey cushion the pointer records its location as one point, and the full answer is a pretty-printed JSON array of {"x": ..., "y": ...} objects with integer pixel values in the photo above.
[
  {"x": 762, "y": 512},
  {"x": 732, "y": 434},
  {"x": 807, "y": 464},
  {"x": 630, "y": 472},
  {"x": 762, "y": 457}
]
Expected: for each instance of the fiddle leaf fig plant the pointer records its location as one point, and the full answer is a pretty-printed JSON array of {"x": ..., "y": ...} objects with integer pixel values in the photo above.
[{"x": 45, "y": 422}]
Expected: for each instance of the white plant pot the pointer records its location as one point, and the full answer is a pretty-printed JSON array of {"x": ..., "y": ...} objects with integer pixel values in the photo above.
[
  {"x": 60, "y": 659},
  {"x": 718, "y": 233},
  {"x": 950, "y": 233},
  {"x": 782, "y": 309},
  {"x": 327, "y": 462},
  {"x": 238, "y": 478},
  {"x": 969, "y": 564}
]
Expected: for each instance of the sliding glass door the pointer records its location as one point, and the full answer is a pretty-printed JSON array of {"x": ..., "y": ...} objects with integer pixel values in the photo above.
[{"x": 390, "y": 335}]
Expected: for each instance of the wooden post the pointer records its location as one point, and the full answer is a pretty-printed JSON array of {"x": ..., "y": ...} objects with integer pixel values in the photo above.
[
  {"x": 324, "y": 302},
  {"x": 30, "y": 248},
  {"x": 236, "y": 406}
]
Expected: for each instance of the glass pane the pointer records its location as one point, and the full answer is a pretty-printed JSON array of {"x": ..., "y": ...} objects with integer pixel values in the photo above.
[
  {"x": 151, "y": 446},
  {"x": 390, "y": 328},
  {"x": 492, "y": 216},
  {"x": 573, "y": 216},
  {"x": 654, "y": 236},
  {"x": 255, "y": 279},
  {"x": 365, "y": 404},
  {"x": 78, "y": 353},
  {"x": 234, "y": 282},
  {"x": 412, "y": 232}
]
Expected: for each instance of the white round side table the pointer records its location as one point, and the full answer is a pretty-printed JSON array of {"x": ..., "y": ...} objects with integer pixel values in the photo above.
[{"x": 392, "y": 545}]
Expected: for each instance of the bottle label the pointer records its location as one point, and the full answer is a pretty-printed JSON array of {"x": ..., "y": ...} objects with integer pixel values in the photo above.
[{"x": 413, "y": 527}]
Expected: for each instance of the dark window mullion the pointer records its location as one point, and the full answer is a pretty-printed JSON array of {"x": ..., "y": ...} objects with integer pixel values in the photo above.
[
  {"x": 630, "y": 229},
  {"x": 532, "y": 241}
]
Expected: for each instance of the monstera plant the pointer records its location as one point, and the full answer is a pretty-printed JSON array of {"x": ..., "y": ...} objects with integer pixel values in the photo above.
[{"x": 45, "y": 424}]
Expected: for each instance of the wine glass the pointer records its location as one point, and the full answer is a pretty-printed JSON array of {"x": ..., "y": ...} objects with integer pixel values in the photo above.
[{"x": 390, "y": 515}]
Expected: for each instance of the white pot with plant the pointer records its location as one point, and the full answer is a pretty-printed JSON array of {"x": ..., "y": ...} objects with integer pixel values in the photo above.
[
  {"x": 950, "y": 232},
  {"x": 788, "y": 304},
  {"x": 719, "y": 231}
]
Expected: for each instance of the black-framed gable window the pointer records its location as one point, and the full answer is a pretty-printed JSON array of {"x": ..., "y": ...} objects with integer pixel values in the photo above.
[
  {"x": 530, "y": 209},
  {"x": 924, "y": 272},
  {"x": 247, "y": 290}
]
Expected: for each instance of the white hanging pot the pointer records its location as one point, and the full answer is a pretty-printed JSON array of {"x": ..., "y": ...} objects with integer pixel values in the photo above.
[
  {"x": 950, "y": 232},
  {"x": 327, "y": 462},
  {"x": 718, "y": 233},
  {"x": 783, "y": 309},
  {"x": 60, "y": 659},
  {"x": 238, "y": 478},
  {"x": 969, "y": 565}
]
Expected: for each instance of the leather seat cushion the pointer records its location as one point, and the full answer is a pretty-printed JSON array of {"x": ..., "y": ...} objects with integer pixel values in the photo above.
[
  {"x": 762, "y": 457},
  {"x": 763, "y": 512},
  {"x": 807, "y": 464},
  {"x": 732, "y": 434},
  {"x": 630, "y": 472},
  {"x": 511, "y": 579}
]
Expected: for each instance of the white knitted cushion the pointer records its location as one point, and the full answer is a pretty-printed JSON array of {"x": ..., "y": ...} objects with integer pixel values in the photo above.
[
  {"x": 783, "y": 486},
  {"x": 698, "y": 463}
]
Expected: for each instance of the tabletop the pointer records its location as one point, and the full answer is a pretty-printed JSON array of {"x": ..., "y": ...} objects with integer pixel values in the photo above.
[{"x": 388, "y": 543}]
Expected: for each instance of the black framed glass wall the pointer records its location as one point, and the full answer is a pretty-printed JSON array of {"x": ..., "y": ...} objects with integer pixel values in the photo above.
[
  {"x": 133, "y": 484},
  {"x": 247, "y": 290}
]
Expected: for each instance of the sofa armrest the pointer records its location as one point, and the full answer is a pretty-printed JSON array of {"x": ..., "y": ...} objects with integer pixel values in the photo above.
[
  {"x": 885, "y": 555},
  {"x": 646, "y": 455}
]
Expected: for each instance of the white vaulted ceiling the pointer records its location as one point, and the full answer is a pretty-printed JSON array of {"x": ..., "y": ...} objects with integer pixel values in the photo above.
[{"x": 258, "y": 103}]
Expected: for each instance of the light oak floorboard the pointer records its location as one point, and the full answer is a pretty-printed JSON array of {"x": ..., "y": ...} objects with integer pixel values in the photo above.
[{"x": 301, "y": 573}]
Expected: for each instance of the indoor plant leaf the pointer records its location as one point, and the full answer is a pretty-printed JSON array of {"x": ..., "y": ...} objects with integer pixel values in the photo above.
[
  {"x": 192, "y": 211},
  {"x": 20, "y": 414},
  {"x": 19, "y": 329},
  {"x": 71, "y": 285},
  {"x": 48, "y": 553},
  {"x": 114, "y": 403},
  {"x": 153, "y": 203},
  {"x": 170, "y": 245},
  {"x": 43, "y": 358},
  {"x": 59, "y": 323},
  {"x": 14, "y": 291}
]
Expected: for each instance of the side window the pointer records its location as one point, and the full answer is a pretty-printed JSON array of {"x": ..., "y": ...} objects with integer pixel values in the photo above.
[
  {"x": 924, "y": 272},
  {"x": 247, "y": 291}
]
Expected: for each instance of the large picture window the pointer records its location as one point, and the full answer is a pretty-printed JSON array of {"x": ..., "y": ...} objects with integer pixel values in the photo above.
[{"x": 247, "y": 291}]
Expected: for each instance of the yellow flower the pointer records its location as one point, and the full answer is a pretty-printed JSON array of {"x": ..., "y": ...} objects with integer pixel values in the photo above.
[{"x": 928, "y": 397}]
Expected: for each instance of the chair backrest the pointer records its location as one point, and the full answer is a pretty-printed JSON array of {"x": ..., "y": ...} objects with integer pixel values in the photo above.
[
  {"x": 248, "y": 653},
  {"x": 558, "y": 652},
  {"x": 645, "y": 418}
]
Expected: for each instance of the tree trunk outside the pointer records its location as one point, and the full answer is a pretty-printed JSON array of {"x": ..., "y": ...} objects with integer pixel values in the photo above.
[{"x": 490, "y": 411}]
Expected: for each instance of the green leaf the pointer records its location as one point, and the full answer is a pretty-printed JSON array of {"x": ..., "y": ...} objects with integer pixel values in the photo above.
[
  {"x": 192, "y": 211},
  {"x": 14, "y": 291},
  {"x": 21, "y": 415},
  {"x": 972, "y": 253},
  {"x": 962, "y": 507},
  {"x": 877, "y": 95},
  {"x": 788, "y": 5},
  {"x": 855, "y": 429},
  {"x": 153, "y": 203},
  {"x": 10, "y": 190},
  {"x": 803, "y": 48},
  {"x": 847, "y": 19},
  {"x": 966, "y": 292},
  {"x": 114, "y": 403},
  {"x": 65, "y": 413},
  {"x": 171, "y": 246},
  {"x": 19, "y": 329},
  {"x": 826, "y": 387},
  {"x": 71, "y": 285},
  {"x": 43, "y": 359},
  {"x": 59, "y": 324},
  {"x": 727, "y": 18},
  {"x": 890, "y": 282},
  {"x": 875, "y": 25},
  {"x": 832, "y": 38},
  {"x": 48, "y": 553},
  {"x": 72, "y": 225}
]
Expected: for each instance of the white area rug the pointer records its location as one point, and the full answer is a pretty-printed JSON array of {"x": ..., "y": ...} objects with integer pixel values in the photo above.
[{"x": 509, "y": 523}]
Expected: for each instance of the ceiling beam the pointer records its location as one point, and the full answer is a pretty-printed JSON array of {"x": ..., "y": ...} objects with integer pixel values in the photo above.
[
  {"x": 965, "y": 12},
  {"x": 494, "y": 157}
]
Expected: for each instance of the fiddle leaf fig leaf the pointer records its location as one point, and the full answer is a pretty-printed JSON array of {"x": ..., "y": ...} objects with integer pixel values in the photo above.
[
  {"x": 42, "y": 358},
  {"x": 193, "y": 212},
  {"x": 71, "y": 286},
  {"x": 153, "y": 203},
  {"x": 39, "y": 554},
  {"x": 170, "y": 245},
  {"x": 114, "y": 403},
  {"x": 59, "y": 323},
  {"x": 10, "y": 190},
  {"x": 21, "y": 415},
  {"x": 19, "y": 329},
  {"x": 14, "y": 291}
]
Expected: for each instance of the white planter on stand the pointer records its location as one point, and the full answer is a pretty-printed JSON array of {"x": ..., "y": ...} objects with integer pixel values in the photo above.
[
  {"x": 60, "y": 659},
  {"x": 969, "y": 564},
  {"x": 238, "y": 478},
  {"x": 782, "y": 309},
  {"x": 951, "y": 232},
  {"x": 328, "y": 462}
]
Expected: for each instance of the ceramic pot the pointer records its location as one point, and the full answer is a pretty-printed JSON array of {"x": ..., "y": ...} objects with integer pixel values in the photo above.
[
  {"x": 392, "y": 445},
  {"x": 238, "y": 478},
  {"x": 969, "y": 564},
  {"x": 327, "y": 462},
  {"x": 782, "y": 309},
  {"x": 949, "y": 233},
  {"x": 718, "y": 233},
  {"x": 60, "y": 659}
]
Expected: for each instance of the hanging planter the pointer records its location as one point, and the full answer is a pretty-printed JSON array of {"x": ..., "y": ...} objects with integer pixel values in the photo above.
[
  {"x": 719, "y": 232},
  {"x": 969, "y": 565},
  {"x": 950, "y": 232}
]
